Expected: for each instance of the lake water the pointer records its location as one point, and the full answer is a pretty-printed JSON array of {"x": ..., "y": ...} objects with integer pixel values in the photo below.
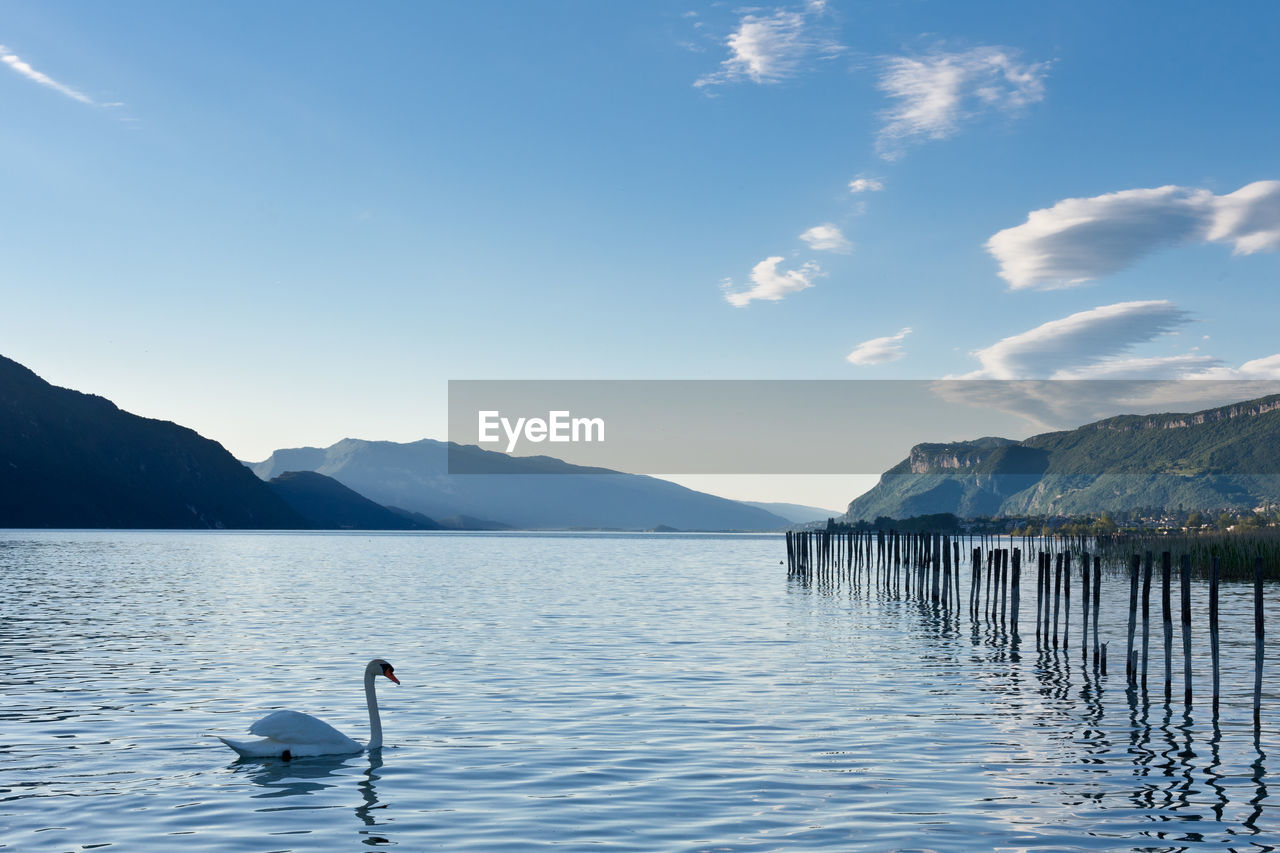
[{"x": 583, "y": 692}]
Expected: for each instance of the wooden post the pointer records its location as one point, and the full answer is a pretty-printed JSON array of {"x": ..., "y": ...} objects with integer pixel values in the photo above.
[
  {"x": 1166, "y": 566},
  {"x": 1048, "y": 588},
  {"x": 1097, "y": 603},
  {"x": 986, "y": 587},
  {"x": 1039, "y": 597},
  {"x": 1213, "y": 627},
  {"x": 1185, "y": 589},
  {"x": 955, "y": 566},
  {"x": 946, "y": 570},
  {"x": 975, "y": 584},
  {"x": 1017, "y": 596},
  {"x": 1258, "y": 634},
  {"x": 934, "y": 579},
  {"x": 1004, "y": 587},
  {"x": 1084, "y": 609},
  {"x": 1066, "y": 599},
  {"x": 1146, "y": 618},
  {"x": 1130, "y": 670},
  {"x": 1057, "y": 596}
]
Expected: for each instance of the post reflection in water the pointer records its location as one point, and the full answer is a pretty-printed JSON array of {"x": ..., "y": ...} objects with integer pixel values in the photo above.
[{"x": 1186, "y": 773}]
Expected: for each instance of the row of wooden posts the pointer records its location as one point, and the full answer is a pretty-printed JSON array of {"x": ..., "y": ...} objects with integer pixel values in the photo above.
[{"x": 927, "y": 567}]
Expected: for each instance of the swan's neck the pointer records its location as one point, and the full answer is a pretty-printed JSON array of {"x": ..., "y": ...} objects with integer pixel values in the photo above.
[{"x": 371, "y": 698}]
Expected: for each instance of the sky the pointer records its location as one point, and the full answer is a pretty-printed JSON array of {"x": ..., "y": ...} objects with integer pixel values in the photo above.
[{"x": 289, "y": 223}]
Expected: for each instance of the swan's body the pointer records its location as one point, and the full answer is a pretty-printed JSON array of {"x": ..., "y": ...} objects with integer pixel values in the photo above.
[{"x": 292, "y": 734}]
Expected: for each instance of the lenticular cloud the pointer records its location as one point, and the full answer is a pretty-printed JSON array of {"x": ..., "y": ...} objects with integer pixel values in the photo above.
[{"x": 1082, "y": 239}]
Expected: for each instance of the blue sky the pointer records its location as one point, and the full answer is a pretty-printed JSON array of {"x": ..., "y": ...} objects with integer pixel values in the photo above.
[{"x": 288, "y": 223}]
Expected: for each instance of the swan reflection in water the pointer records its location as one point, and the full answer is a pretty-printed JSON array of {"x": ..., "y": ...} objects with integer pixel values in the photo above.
[{"x": 309, "y": 776}]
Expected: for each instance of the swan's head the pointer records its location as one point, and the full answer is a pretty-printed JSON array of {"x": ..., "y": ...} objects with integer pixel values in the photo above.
[{"x": 378, "y": 664}]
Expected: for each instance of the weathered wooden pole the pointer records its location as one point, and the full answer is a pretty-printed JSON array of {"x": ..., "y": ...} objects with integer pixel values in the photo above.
[
  {"x": 1213, "y": 626},
  {"x": 1097, "y": 604},
  {"x": 955, "y": 566},
  {"x": 986, "y": 588},
  {"x": 1185, "y": 590},
  {"x": 1039, "y": 597},
  {"x": 1146, "y": 618},
  {"x": 935, "y": 567},
  {"x": 1084, "y": 609},
  {"x": 946, "y": 570},
  {"x": 1066, "y": 599},
  {"x": 1130, "y": 666},
  {"x": 1258, "y": 635},
  {"x": 1057, "y": 596},
  {"x": 975, "y": 584},
  {"x": 1017, "y": 594},
  {"x": 1004, "y": 587},
  {"x": 1166, "y": 567}
]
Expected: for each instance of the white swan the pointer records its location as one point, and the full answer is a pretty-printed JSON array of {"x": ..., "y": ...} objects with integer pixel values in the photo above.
[{"x": 292, "y": 734}]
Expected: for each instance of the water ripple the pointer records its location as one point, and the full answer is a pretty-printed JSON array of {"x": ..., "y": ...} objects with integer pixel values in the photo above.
[{"x": 579, "y": 692}]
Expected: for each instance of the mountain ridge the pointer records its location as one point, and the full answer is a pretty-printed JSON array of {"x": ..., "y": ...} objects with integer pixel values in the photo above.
[
  {"x": 534, "y": 492},
  {"x": 75, "y": 460},
  {"x": 1220, "y": 458}
]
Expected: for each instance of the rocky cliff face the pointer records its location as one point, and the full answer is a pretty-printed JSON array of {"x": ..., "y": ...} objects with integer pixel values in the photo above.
[
  {"x": 1221, "y": 458},
  {"x": 1247, "y": 409},
  {"x": 954, "y": 456}
]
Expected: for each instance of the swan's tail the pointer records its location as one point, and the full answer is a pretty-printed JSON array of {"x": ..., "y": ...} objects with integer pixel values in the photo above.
[{"x": 242, "y": 748}]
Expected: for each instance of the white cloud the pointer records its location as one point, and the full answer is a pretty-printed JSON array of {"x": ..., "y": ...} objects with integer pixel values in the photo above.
[
  {"x": 1081, "y": 239},
  {"x": 827, "y": 238},
  {"x": 938, "y": 92},
  {"x": 1248, "y": 217},
  {"x": 866, "y": 185},
  {"x": 1267, "y": 367},
  {"x": 879, "y": 350},
  {"x": 1155, "y": 367},
  {"x": 30, "y": 73},
  {"x": 770, "y": 48},
  {"x": 771, "y": 283},
  {"x": 1082, "y": 342}
]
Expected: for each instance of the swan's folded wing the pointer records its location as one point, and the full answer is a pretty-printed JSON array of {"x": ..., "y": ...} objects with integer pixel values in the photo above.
[{"x": 295, "y": 727}]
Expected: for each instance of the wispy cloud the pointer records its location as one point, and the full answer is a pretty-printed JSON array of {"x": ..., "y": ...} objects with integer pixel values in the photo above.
[
  {"x": 936, "y": 93},
  {"x": 1081, "y": 239},
  {"x": 866, "y": 185},
  {"x": 1185, "y": 365},
  {"x": 1267, "y": 367},
  {"x": 25, "y": 69},
  {"x": 827, "y": 238},
  {"x": 879, "y": 350},
  {"x": 770, "y": 48},
  {"x": 772, "y": 284},
  {"x": 1087, "y": 344}
]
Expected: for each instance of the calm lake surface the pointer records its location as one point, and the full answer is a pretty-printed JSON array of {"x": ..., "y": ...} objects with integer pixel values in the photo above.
[{"x": 586, "y": 692}]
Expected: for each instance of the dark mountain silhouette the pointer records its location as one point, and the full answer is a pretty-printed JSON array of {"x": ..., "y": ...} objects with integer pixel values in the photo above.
[
  {"x": 69, "y": 459},
  {"x": 327, "y": 504}
]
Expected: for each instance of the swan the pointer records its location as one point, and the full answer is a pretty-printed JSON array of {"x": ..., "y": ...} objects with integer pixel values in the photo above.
[{"x": 292, "y": 734}]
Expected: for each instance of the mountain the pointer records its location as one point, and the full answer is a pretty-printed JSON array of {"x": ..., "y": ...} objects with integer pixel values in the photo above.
[
  {"x": 537, "y": 492},
  {"x": 69, "y": 459},
  {"x": 1227, "y": 457},
  {"x": 795, "y": 513},
  {"x": 326, "y": 504}
]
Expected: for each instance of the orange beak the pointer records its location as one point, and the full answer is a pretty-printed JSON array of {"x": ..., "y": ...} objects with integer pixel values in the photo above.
[{"x": 392, "y": 676}]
